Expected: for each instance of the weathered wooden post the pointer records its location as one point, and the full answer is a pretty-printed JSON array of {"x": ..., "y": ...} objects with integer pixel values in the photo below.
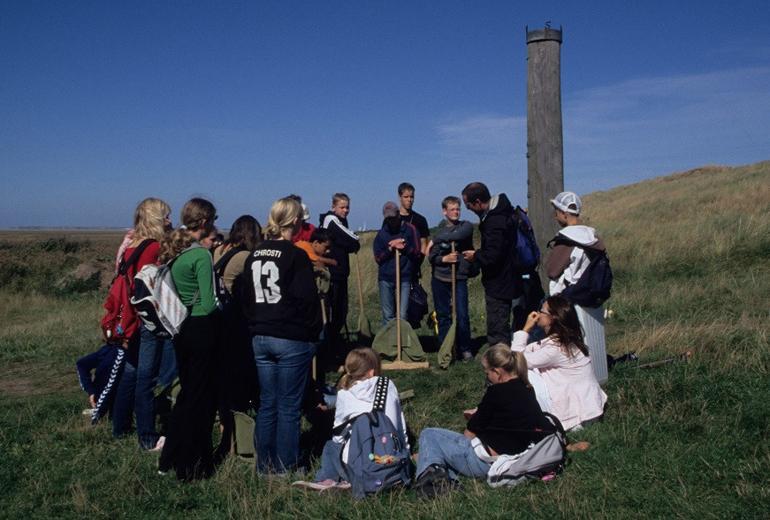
[{"x": 545, "y": 163}]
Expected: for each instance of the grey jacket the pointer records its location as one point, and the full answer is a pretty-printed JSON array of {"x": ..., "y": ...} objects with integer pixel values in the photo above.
[{"x": 446, "y": 233}]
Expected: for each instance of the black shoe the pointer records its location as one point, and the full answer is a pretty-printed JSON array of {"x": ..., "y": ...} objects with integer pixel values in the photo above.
[{"x": 435, "y": 481}]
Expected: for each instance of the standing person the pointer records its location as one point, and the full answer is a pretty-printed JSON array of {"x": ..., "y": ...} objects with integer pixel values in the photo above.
[
  {"x": 408, "y": 215},
  {"x": 450, "y": 231},
  {"x": 344, "y": 242},
  {"x": 237, "y": 374},
  {"x": 496, "y": 257},
  {"x": 157, "y": 362},
  {"x": 395, "y": 235},
  {"x": 570, "y": 255},
  {"x": 188, "y": 444},
  {"x": 280, "y": 302},
  {"x": 150, "y": 360}
]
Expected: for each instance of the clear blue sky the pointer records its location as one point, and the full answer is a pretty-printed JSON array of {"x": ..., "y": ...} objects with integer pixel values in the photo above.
[{"x": 103, "y": 103}]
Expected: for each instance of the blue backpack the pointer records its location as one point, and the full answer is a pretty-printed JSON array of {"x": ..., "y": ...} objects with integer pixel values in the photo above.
[
  {"x": 378, "y": 457},
  {"x": 527, "y": 252}
]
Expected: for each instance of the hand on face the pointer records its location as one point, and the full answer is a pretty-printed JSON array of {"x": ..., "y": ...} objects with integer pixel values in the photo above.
[{"x": 532, "y": 319}]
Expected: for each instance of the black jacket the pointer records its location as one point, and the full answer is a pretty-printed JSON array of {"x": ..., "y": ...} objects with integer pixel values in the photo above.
[
  {"x": 344, "y": 242},
  {"x": 445, "y": 234},
  {"x": 497, "y": 254},
  {"x": 283, "y": 303}
]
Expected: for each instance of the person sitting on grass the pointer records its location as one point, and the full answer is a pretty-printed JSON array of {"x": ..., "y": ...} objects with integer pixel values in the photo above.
[
  {"x": 561, "y": 360},
  {"x": 507, "y": 421},
  {"x": 355, "y": 397}
]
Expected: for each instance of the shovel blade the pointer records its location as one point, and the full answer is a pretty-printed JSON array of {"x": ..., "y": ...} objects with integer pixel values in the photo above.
[{"x": 446, "y": 351}]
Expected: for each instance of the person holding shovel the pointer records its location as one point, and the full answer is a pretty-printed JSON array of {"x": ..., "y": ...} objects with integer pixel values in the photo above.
[
  {"x": 395, "y": 235},
  {"x": 451, "y": 237}
]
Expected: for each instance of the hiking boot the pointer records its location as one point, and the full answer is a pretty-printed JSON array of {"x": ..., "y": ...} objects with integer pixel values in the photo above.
[{"x": 435, "y": 481}]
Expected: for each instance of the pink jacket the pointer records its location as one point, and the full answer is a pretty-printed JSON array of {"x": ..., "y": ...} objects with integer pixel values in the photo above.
[{"x": 575, "y": 394}]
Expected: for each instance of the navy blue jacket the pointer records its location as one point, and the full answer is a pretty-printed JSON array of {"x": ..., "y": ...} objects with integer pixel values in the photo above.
[{"x": 386, "y": 258}]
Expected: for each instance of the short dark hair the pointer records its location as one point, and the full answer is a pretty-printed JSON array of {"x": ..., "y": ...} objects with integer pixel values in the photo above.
[
  {"x": 450, "y": 200},
  {"x": 476, "y": 191},
  {"x": 294, "y": 196},
  {"x": 405, "y": 186},
  {"x": 320, "y": 235}
]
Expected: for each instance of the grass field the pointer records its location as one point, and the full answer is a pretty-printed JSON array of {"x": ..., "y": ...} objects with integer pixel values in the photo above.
[{"x": 690, "y": 254}]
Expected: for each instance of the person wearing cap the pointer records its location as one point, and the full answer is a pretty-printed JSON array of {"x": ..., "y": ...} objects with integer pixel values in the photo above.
[
  {"x": 565, "y": 265},
  {"x": 394, "y": 235},
  {"x": 496, "y": 257}
]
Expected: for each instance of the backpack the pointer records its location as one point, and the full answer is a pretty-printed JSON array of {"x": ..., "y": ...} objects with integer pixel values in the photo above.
[
  {"x": 120, "y": 321},
  {"x": 418, "y": 305},
  {"x": 157, "y": 301},
  {"x": 595, "y": 284},
  {"x": 542, "y": 460},
  {"x": 223, "y": 295},
  {"x": 378, "y": 457},
  {"x": 527, "y": 252}
]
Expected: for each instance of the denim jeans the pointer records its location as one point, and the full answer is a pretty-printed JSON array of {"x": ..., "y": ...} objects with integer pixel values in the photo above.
[
  {"x": 388, "y": 299},
  {"x": 282, "y": 369},
  {"x": 442, "y": 301},
  {"x": 331, "y": 464},
  {"x": 451, "y": 450},
  {"x": 156, "y": 366},
  {"x": 123, "y": 405}
]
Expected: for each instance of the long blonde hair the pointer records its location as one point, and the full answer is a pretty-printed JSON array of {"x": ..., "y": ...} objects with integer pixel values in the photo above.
[
  {"x": 150, "y": 219},
  {"x": 358, "y": 362},
  {"x": 501, "y": 356},
  {"x": 284, "y": 214},
  {"x": 196, "y": 214}
]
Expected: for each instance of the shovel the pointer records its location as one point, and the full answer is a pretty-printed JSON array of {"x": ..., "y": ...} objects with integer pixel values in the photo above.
[
  {"x": 364, "y": 327},
  {"x": 446, "y": 352},
  {"x": 384, "y": 340}
]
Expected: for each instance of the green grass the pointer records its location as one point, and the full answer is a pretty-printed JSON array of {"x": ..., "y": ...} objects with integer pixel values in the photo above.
[{"x": 687, "y": 440}]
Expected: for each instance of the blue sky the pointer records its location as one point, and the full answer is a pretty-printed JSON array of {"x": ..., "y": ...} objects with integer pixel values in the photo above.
[{"x": 104, "y": 103}]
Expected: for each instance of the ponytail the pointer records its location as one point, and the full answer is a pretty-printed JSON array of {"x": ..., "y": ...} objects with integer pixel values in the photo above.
[
  {"x": 196, "y": 214},
  {"x": 358, "y": 362},
  {"x": 501, "y": 356}
]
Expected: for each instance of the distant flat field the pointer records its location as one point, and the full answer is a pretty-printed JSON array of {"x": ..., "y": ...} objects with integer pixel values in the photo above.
[{"x": 98, "y": 235}]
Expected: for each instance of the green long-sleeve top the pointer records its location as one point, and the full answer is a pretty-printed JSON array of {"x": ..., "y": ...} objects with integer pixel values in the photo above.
[{"x": 192, "y": 272}]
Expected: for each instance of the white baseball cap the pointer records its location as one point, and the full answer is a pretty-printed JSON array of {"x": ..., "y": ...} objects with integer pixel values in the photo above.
[
  {"x": 305, "y": 212},
  {"x": 568, "y": 202}
]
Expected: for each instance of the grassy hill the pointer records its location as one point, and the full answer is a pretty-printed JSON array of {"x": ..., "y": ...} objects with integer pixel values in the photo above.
[{"x": 690, "y": 254}]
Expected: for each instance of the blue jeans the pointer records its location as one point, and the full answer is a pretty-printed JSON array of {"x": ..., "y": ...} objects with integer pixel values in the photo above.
[
  {"x": 156, "y": 366},
  {"x": 123, "y": 405},
  {"x": 442, "y": 301},
  {"x": 331, "y": 464},
  {"x": 388, "y": 299},
  {"x": 451, "y": 450},
  {"x": 282, "y": 369}
]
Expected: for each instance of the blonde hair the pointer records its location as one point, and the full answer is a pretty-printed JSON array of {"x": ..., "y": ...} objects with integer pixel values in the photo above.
[
  {"x": 501, "y": 356},
  {"x": 196, "y": 214},
  {"x": 283, "y": 215},
  {"x": 150, "y": 219},
  {"x": 358, "y": 362}
]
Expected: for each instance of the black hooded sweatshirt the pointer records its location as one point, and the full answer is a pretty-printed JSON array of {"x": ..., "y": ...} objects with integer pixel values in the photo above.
[
  {"x": 344, "y": 242},
  {"x": 497, "y": 254}
]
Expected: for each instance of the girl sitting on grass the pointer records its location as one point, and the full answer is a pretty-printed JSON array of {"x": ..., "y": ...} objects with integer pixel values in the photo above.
[
  {"x": 507, "y": 421},
  {"x": 355, "y": 397},
  {"x": 561, "y": 360}
]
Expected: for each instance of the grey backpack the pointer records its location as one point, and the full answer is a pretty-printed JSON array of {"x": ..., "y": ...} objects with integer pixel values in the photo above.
[
  {"x": 542, "y": 460},
  {"x": 378, "y": 453}
]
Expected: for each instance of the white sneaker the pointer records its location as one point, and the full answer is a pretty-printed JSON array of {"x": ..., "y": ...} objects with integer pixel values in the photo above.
[
  {"x": 315, "y": 486},
  {"x": 159, "y": 445}
]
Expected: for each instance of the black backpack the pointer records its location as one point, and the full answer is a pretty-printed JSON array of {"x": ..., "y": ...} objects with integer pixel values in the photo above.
[
  {"x": 223, "y": 295},
  {"x": 595, "y": 284},
  {"x": 527, "y": 252}
]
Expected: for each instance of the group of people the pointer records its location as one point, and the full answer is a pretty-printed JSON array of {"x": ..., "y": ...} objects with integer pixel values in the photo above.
[{"x": 262, "y": 302}]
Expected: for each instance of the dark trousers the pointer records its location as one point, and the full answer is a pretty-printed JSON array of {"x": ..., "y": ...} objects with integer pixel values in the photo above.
[
  {"x": 499, "y": 319},
  {"x": 442, "y": 301},
  {"x": 338, "y": 300},
  {"x": 188, "y": 447}
]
